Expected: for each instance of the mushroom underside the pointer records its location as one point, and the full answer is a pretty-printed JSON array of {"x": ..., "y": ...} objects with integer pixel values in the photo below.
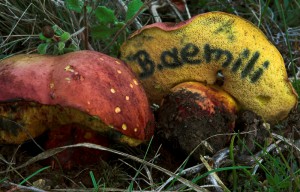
[{"x": 23, "y": 120}]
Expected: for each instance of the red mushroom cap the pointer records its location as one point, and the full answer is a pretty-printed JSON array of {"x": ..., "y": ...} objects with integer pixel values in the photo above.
[{"x": 87, "y": 81}]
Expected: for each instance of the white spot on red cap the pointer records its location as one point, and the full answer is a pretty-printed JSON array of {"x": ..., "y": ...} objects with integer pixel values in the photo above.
[
  {"x": 69, "y": 68},
  {"x": 112, "y": 90},
  {"x": 135, "y": 129},
  {"x": 131, "y": 85},
  {"x": 127, "y": 98},
  {"x": 124, "y": 126},
  {"x": 68, "y": 79},
  {"x": 117, "y": 62},
  {"x": 51, "y": 85},
  {"x": 119, "y": 71},
  {"x": 117, "y": 109},
  {"x": 135, "y": 82}
]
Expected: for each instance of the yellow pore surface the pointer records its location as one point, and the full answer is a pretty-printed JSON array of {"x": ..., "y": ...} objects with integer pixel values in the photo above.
[
  {"x": 253, "y": 69},
  {"x": 32, "y": 119}
]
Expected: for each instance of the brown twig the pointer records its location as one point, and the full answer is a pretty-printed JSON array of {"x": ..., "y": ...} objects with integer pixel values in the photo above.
[
  {"x": 16, "y": 187},
  {"x": 175, "y": 10}
]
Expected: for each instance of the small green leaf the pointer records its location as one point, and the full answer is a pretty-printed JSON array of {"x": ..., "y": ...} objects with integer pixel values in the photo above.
[
  {"x": 61, "y": 46},
  {"x": 105, "y": 15},
  {"x": 48, "y": 40},
  {"x": 89, "y": 9},
  {"x": 58, "y": 31},
  {"x": 65, "y": 37},
  {"x": 119, "y": 25},
  {"x": 74, "y": 5},
  {"x": 42, "y": 48},
  {"x": 133, "y": 7},
  {"x": 55, "y": 27},
  {"x": 42, "y": 37},
  {"x": 101, "y": 32}
]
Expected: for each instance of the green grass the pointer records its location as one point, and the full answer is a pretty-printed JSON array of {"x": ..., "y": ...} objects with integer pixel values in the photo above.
[
  {"x": 276, "y": 169},
  {"x": 34, "y": 174},
  {"x": 91, "y": 26}
]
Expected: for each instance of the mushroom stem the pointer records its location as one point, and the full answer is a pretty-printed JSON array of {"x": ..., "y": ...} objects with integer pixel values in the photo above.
[{"x": 195, "y": 113}]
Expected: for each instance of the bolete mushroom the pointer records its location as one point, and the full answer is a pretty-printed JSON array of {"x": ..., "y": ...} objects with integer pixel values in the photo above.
[
  {"x": 87, "y": 88},
  {"x": 164, "y": 55},
  {"x": 193, "y": 112}
]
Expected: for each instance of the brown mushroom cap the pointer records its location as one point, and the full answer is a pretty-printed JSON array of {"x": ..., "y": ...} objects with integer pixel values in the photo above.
[
  {"x": 164, "y": 55},
  {"x": 85, "y": 87}
]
